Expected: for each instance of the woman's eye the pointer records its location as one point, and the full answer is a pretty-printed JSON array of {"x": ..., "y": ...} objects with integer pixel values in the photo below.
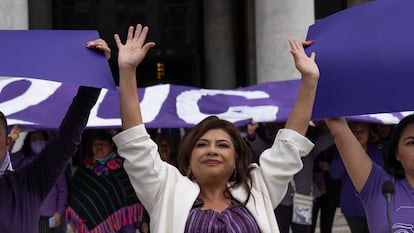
[
  {"x": 223, "y": 145},
  {"x": 201, "y": 144},
  {"x": 410, "y": 143}
]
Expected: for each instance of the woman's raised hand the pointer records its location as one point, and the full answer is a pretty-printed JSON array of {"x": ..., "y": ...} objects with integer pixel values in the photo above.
[{"x": 134, "y": 50}]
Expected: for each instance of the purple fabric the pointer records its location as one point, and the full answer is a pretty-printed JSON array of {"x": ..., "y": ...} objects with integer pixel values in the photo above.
[
  {"x": 24, "y": 160},
  {"x": 236, "y": 218},
  {"x": 131, "y": 228},
  {"x": 57, "y": 199},
  {"x": 163, "y": 105},
  {"x": 23, "y": 191},
  {"x": 364, "y": 69},
  {"x": 402, "y": 203},
  {"x": 364, "y": 63},
  {"x": 16, "y": 159},
  {"x": 349, "y": 201},
  {"x": 40, "y": 104},
  {"x": 58, "y": 55}
]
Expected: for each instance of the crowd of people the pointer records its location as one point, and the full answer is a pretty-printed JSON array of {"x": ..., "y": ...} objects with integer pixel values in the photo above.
[{"x": 265, "y": 177}]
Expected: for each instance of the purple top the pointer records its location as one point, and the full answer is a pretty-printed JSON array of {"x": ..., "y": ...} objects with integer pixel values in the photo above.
[
  {"x": 402, "y": 203},
  {"x": 57, "y": 198},
  {"x": 236, "y": 218},
  {"x": 23, "y": 191},
  {"x": 350, "y": 203},
  {"x": 16, "y": 159}
]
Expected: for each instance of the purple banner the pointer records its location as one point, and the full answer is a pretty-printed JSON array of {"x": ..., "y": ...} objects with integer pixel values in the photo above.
[
  {"x": 365, "y": 59},
  {"x": 42, "y": 104},
  {"x": 35, "y": 103},
  {"x": 57, "y": 55}
]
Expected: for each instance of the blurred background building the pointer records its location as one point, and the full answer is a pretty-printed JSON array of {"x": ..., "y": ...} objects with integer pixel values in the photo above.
[{"x": 221, "y": 44}]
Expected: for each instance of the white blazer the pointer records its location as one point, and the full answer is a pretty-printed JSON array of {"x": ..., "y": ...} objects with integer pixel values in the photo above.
[{"x": 168, "y": 196}]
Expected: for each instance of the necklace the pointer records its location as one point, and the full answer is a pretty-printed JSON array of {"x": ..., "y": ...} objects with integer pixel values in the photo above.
[{"x": 103, "y": 168}]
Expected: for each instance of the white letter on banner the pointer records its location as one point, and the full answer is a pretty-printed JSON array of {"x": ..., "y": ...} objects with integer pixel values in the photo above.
[
  {"x": 39, "y": 91},
  {"x": 406, "y": 113},
  {"x": 188, "y": 110},
  {"x": 96, "y": 121},
  {"x": 152, "y": 101},
  {"x": 385, "y": 118}
]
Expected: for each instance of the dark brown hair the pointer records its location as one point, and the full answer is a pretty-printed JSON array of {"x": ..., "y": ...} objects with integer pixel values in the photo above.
[
  {"x": 243, "y": 153},
  {"x": 392, "y": 165},
  {"x": 3, "y": 122}
]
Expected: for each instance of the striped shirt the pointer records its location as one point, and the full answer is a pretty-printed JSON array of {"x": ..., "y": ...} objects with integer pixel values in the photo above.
[{"x": 235, "y": 219}]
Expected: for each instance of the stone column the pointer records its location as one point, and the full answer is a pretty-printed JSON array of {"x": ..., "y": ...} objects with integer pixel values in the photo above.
[
  {"x": 276, "y": 22},
  {"x": 220, "y": 71},
  {"x": 14, "y": 14},
  {"x": 251, "y": 43}
]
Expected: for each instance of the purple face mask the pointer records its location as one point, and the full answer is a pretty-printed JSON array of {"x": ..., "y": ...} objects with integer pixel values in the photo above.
[{"x": 37, "y": 146}]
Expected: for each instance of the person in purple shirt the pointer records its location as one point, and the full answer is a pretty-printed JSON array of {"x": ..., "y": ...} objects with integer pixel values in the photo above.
[
  {"x": 53, "y": 207},
  {"x": 33, "y": 143},
  {"x": 351, "y": 205},
  {"x": 23, "y": 191},
  {"x": 386, "y": 193}
]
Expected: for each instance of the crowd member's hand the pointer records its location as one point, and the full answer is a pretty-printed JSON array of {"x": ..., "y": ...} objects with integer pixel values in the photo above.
[
  {"x": 144, "y": 228},
  {"x": 14, "y": 133},
  {"x": 132, "y": 53},
  {"x": 101, "y": 45},
  {"x": 251, "y": 128},
  {"x": 58, "y": 219}
]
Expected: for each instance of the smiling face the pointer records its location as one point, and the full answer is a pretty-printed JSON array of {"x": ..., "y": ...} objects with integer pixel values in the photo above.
[
  {"x": 405, "y": 151},
  {"x": 213, "y": 156}
]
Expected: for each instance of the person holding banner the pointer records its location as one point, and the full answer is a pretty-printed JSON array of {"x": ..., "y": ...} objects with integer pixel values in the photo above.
[
  {"x": 351, "y": 205},
  {"x": 215, "y": 186},
  {"x": 301, "y": 183},
  {"x": 386, "y": 193},
  {"x": 53, "y": 207},
  {"x": 22, "y": 191}
]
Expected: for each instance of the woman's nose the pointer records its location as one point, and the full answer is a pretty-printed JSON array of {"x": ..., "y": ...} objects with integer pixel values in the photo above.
[{"x": 212, "y": 150}]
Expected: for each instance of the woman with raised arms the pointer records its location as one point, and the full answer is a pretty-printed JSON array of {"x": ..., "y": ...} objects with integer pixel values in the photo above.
[{"x": 215, "y": 188}]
